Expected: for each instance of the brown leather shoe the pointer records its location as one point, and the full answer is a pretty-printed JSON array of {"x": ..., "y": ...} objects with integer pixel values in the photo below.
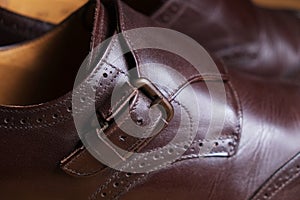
[
  {"x": 255, "y": 39},
  {"x": 254, "y": 156}
]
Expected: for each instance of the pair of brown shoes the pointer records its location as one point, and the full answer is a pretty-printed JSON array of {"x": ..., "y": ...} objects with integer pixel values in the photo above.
[{"x": 125, "y": 108}]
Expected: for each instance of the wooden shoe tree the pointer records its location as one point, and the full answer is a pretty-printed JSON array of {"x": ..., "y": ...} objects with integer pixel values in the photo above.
[
  {"x": 52, "y": 11},
  {"x": 45, "y": 68}
]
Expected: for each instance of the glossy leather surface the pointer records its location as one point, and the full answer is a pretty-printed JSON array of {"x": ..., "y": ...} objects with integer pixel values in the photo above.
[
  {"x": 258, "y": 40},
  {"x": 43, "y": 158}
]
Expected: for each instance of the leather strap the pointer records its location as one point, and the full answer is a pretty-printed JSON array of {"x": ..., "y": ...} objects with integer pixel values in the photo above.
[
  {"x": 106, "y": 75},
  {"x": 80, "y": 163}
]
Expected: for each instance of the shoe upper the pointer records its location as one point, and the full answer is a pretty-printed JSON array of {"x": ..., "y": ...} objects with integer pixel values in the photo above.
[
  {"x": 257, "y": 40},
  {"x": 241, "y": 131}
]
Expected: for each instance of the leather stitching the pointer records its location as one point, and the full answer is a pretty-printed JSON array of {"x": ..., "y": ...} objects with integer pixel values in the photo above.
[
  {"x": 94, "y": 196},
  {"x": 68, "y": 166},
  {"x": 130, "y": 185},
  {"x": 130, "y": 44},
  {"x": 34, "y": 124},
  {"x": 112, "y": 46},
  {"x": 62, "y": 104},
  {"x": 275, "y": 184},
  {"x": 107, "y": 182},
  {"x": 194, "y": 156},
  {"x": 35, "y": 110},
  {"x": 239, "y": 125},
  {"x": 114, "y": 67},
  {"x": 63, "y": 120},
  {"x": 286, "y": 183},
  {"x": 117, "y": 104}
]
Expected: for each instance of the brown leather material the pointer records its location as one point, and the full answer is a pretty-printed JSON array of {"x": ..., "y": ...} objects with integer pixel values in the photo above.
[
  {"x": 81, "y": 164},
  {"x": 260, "y": 133},
  {"x": 230, "y": 136},
  {"x": 254, "y": 39},
  {"x": 15, "y": 28},
  {"x": 285, "y": 179}
]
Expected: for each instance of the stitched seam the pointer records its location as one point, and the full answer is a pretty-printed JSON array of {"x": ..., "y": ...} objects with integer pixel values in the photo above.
[
  {"x": 78, "y": 173},
  {"x": 110, "y": 49},
  {"x": 117, "y": 104},
  {"x": 34, "y": 110},
  {"x": 139, "y": 142},
  {"x": 124, "y": 27},
  {"x": 80, "y": 155},
  {"x": 94, "y": 196},
  {"x": 275, "y": 178},
  {"x": 131, "y": 183},
  {"x": 102, "y": 23},
  {"x": 135, "y": 145},
  {"x": 104, "y": 89},
  {"x": 284, "y": 184},
  {"x": 202, "y": 77},
  {"x": 114, "y": 67},
  {"x": 45, "y": 125},
  {"x": 238, "y": 128},
  {"x": 62, "y": 103},
  {"x": 69, "y": 168},
  {"x": 204, "y": 140},
  {"x": 104, "y": 60},
  {"x": 180, "y": 104}
]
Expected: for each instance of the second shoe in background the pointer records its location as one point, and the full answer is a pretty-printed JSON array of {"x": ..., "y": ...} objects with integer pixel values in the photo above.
[{"x": 254, "y": 39}]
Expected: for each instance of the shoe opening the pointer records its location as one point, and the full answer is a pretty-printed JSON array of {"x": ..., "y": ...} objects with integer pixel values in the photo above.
[{"x": 45, "y": 68}]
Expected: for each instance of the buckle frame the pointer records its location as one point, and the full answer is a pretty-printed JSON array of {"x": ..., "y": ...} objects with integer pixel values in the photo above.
[
  {"x": 157, "y": 98},
  {"x": 144, "y": 85}
]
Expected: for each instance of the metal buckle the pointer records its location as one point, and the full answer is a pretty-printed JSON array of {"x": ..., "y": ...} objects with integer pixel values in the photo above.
[
  {"x": 157, "y": 98},
  {"x": 145, "y": 86}
]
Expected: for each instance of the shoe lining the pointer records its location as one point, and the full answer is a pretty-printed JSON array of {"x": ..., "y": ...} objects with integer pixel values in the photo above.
[{"x": 45, "y": 68}]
